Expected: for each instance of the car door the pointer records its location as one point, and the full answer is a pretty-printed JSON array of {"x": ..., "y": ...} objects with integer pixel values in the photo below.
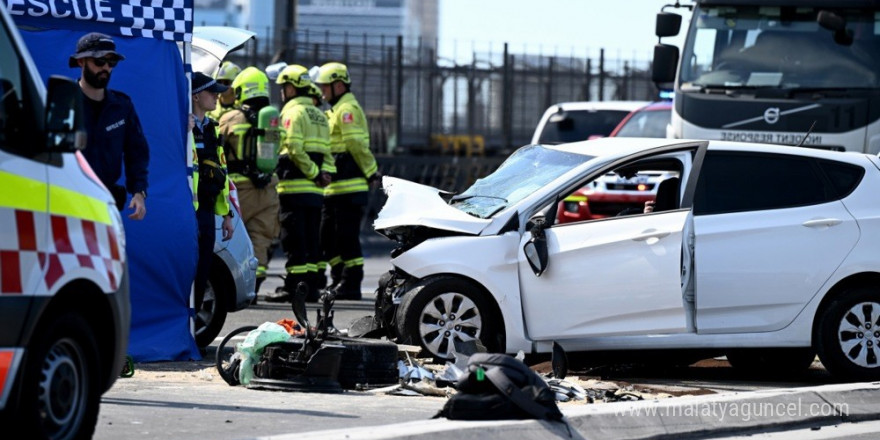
[
  {"x": 615, "y": 276},
  {"x": 769, "y": 233}
]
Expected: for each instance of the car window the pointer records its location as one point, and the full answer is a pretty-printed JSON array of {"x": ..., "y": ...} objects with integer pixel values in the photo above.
[
  {"x": 579, "y": 125},
  {"x": 20, "y": 107},
  {"x": 646, "y": 124},
  {"x": 844, "y": 177},
  {"x": 738, "y": 181}
]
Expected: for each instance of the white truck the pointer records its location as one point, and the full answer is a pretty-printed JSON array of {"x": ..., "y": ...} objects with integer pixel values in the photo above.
[{"x": 779, "y": 71}]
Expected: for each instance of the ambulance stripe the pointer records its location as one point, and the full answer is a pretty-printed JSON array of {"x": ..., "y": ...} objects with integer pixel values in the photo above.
[
  {"x": 69, "y": 203},
  {"x": 85, "y": 261},
  {"x": 91, "y": 237},
  {"x": 114, "y": 247},
  {"x": 110, "y": 275},
  {"x": 60, "y": 235},
  {"x": 29, "y": 194},
  {"x": 55, "y": 270},
  {"x": 27, "y": 235},
  {"x": 11, "y": 272},
  {"x": 5, "y": 366}
]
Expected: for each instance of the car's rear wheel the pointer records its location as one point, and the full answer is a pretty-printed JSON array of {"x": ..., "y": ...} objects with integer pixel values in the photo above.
[
  {"x": 438, "y": 311},
  {"x": 849, "y": 334},
  {"x": 772, "y": 361},
  {"x": 61, "y": 383},
  {"x": 212, "y": 315}
]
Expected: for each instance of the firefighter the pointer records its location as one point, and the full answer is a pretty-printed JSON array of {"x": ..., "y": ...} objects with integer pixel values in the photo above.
[
  {"x": 346, "y": 196},
  {"x": 304, "y": 168},
  {"x": 225, "y": 75},
  {"x": 243, "y": 134}
]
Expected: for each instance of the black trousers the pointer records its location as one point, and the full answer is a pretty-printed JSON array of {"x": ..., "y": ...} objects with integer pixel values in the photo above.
[
  {"x": 207, "y": 236},
  {"x": 341, "y": 226},
  {"x": 300, "y": 236}
]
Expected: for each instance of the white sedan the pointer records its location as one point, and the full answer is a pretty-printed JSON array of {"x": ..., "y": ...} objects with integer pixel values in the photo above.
[{"x": 769, "y": 254}]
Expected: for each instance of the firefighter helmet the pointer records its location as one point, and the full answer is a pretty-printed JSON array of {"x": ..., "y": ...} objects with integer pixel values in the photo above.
[
  {"x": 295, "y": 75},
  {"x": 228, "y": 71},
  {"x": 315, "y": 92},
  {"x": 332, "y": 72},
  {"x": 250, "y": 83}
]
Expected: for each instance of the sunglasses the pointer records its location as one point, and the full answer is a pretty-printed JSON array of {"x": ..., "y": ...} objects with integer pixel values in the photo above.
[
  {"x": 100, "y": 62},
  {"x": 224, "y": 82}
]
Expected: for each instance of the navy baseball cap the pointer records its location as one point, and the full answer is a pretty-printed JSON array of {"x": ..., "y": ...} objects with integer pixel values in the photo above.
[
  {"x": 94, "y": 45},
  {"x": 201, "y": 82}
]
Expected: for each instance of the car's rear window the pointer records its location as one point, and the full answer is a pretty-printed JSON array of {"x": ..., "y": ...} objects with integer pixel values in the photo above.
[
  {"x": 650, "y": 124},
  {"x": 844, "y": 177},
  {"x": 580, "y": 125}
]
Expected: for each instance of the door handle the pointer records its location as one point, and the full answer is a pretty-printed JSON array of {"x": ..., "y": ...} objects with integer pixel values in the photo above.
[
  {"x": 822, "y": 222},
  {"x": 649, "y": 234}
]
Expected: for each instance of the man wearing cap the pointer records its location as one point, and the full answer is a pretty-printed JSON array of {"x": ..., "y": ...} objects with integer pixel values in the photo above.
[
  {"x": 210, "y": 177},
  {"x": 115, "y": 135}
]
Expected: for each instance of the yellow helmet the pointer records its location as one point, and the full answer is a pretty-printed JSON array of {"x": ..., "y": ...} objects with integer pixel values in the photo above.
[
  {"x": 295, "y": 75},
  {"x": 250, "y": 83},
  {"x": 331, "y": 72},
  {"x": 228, "y": 71},
  {"x": 315, "y": 92}
]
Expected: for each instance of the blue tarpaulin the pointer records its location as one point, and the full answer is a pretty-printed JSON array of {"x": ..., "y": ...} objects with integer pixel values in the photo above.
[{"x": 162, "y": 248}]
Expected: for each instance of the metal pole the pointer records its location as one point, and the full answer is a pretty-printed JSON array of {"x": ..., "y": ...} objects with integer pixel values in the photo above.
[
  {"x": 601, "y": 74},
  {"x": 398, "y": 113}
]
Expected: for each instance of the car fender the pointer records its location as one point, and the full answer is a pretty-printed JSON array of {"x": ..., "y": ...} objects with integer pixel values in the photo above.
[{"x": 473, "y": 257}]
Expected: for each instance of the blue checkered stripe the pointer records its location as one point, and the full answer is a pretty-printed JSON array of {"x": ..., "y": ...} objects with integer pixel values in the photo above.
[{"x": 165, "y": 19}]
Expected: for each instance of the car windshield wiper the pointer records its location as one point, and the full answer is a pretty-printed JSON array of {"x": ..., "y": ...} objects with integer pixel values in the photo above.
[{"x": 462, "y": 197}]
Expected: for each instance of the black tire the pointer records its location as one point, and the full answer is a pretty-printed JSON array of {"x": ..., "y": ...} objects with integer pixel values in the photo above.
[
  {"x": 227, "y": 369},
  {"x": 367, "y": 363},
  {"x": 212, "y": 314},
  {"x": 422, "y": 318},
  {"x": 848, "y": 334},
  {"x": 61, "y": 387},
  {"x": 772, "y": 362}
]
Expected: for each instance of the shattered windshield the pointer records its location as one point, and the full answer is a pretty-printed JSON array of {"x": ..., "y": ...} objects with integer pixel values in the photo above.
[
  {"x": 523, "y": 173},
  {"x": 781, "y": 47}
]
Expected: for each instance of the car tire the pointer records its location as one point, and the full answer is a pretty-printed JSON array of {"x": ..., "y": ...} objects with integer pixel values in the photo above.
[
  {"x": 848, "y": 334},
  {"x": 61, "y": 386},
  {"x": 423, "y": 317},
  {"x": 212, "y": 314},
  {"x": 773, "y": 362}
]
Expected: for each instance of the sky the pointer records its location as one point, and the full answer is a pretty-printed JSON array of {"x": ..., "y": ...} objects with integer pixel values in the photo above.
[{"x": 624, "y": 28}]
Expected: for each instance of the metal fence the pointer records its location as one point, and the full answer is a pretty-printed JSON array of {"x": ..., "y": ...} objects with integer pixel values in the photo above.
[{"x": 489, "y": 104}]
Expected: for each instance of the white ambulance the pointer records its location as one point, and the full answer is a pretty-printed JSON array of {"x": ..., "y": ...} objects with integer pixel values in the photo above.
[{"x": 64, "y": 304}]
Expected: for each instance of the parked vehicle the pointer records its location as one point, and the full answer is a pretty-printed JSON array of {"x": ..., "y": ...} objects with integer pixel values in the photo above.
[
  {"x": 233, "y": 272},
  {"x": 580, "y": 121},
  {"x": 764, "y": 252},
  {"x": 64, "y": 298},
  {"x": 613, "y": 194}
]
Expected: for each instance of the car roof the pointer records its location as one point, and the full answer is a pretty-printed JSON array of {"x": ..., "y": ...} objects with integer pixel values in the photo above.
[
  {"x": 656, "y": 106},
  {"x": 599, "y": 105}
]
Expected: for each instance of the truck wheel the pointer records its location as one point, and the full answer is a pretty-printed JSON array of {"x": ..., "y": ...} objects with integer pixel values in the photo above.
[
  {"x": 212, "y": 315},
  {"x": 438, "y": 311},
  {"x": 61, "y": 383},
  {"x": 848, "y": 334}
]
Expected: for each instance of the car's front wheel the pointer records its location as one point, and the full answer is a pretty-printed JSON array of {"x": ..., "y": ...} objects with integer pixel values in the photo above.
[
  {"x": 849, "y": 335},
  {"x": 61, "y": 384},
  {"x": 438, "y": 311}
]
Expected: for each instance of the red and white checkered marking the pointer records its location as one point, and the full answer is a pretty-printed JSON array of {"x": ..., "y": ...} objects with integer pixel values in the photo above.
[{"x": 72, "y": 245}]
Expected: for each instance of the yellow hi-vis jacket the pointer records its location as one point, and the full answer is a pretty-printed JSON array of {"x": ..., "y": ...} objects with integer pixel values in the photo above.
[
  {"x": 221, "y": 204},
  {"x": 350, "y": 146},
  {"x": 305, "y": 147}
]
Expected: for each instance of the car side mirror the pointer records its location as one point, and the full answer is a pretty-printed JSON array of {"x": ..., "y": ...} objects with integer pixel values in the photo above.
[
  {"x": 664, "y": 66},
  {"x": 667, "y": 24},
  {"x": 63, "y": 120},
  {"x": 535, "y": 249}
]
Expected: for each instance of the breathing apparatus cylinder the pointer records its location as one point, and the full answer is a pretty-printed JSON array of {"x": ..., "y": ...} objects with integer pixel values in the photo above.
[{"x": 269, "y": 139}]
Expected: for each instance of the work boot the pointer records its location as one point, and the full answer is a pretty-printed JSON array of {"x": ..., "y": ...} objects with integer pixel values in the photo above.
[
  {"x": 279, "y": 296},
  {"x": 350, "y": 286}
]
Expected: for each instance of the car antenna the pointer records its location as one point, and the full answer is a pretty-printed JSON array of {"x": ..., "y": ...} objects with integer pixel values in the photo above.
[{"x": 804, "y": 139}]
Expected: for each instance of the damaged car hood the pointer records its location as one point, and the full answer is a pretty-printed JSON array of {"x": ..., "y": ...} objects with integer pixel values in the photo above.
[{"x": 413, "y": 204}]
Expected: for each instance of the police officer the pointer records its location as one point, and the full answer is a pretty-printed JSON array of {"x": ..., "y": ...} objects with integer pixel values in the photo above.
[
  {"x": 257, "y": 191},
  {"x": 346, "y": 196},
  {"x": 210, "y": 183},
  {"x": 304, "y": 168},
  {"x": 225, "y": 75},
  {"x": 113, "y": 129}
]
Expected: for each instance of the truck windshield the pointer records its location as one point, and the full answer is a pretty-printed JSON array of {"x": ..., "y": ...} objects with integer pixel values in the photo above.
[{"x": 781, "y": 47}]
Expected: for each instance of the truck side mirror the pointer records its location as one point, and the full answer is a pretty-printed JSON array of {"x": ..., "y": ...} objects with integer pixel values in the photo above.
[
  {"x": 665, "y": 64},
  {"x": 667, "y": 24},
  {"x": 64, "y": 125}
]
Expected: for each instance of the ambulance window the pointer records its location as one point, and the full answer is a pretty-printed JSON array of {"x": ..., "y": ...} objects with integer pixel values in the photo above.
[{"x": 19, "y": 101}]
